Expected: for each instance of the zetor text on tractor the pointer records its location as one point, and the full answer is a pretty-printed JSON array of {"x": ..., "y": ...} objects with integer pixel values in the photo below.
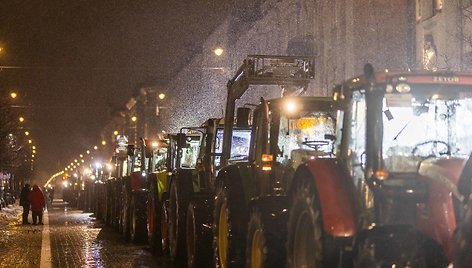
[{"x": 390, "y": 197}]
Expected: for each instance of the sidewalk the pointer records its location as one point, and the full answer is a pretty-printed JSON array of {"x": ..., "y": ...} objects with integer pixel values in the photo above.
[{"x": 10, "y": 215}]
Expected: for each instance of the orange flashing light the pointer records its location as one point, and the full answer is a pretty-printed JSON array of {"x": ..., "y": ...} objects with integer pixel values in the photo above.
[
  {"x": 381, "y": 174},
  {"x": 267, "y": 158},
  {"x": 267, "y": 162},
  {"x": 266, "y": 168}
]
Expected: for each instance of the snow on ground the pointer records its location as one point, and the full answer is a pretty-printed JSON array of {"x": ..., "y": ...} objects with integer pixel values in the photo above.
[{"x": 10, "y": 214}]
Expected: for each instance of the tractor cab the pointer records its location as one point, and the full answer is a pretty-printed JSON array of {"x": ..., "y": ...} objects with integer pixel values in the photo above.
[{"x": 403, "y": 138}]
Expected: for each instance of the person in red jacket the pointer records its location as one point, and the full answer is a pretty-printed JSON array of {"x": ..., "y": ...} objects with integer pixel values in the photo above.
[{"x": 37, "y": 201}]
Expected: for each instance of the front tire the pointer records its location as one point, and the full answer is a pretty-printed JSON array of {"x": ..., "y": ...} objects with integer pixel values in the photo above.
[
  {"x": 266, "y": 234},
  {"x": 229, "y": 231},
  {"x": 305, "y": 230}
]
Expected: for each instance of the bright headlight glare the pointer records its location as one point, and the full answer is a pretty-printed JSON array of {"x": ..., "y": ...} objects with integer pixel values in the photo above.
[
  {"x": 290, "y": 106},
  {"x": 403, "y": 88}
]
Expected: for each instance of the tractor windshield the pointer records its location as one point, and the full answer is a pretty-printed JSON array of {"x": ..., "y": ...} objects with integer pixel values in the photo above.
[
  {"x": 161, "y": 158},
  {"x": 303, "y": 138},
  {"x": 190, "y": 152},
  {"x": 239, "y": 145},
  {"x": 414, "y": 128},
  {"x": 418, "y": 128}
]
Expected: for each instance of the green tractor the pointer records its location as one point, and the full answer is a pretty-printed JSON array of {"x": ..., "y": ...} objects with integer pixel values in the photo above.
[
  {"x": 251, "y": 198},
  {"x": 191, "y": 190}
]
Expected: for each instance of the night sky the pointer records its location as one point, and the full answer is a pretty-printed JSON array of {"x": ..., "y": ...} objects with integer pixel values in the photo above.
[{"x": 75, "y": 61}]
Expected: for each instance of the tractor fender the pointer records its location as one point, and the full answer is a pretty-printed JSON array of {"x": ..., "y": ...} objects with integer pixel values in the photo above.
[
  {"x": 231, "y": 176},
  {"x": 336, "y": 194},
  {"x": 437, "y": 217},
  {"x": 183, "y": 174},
  {"x": 390, "y": 245}
]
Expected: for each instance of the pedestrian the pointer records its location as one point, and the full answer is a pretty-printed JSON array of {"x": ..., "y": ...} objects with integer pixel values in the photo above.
[
  {"x": 25, "y": 203},
  {"x": 37, "y": 201}
]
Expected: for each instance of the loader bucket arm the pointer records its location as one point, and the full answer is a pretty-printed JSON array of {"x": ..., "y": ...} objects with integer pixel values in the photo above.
[{"x": 263, "y": 70}]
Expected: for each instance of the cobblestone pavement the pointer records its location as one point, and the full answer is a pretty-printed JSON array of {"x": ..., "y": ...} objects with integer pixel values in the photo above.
[{"x": 76, "y": 240}]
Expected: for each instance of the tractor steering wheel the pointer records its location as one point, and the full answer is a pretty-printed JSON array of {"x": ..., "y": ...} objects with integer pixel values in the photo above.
[
  {"x": 433, "y": 152},
  {"x": 315, "y": 144}
]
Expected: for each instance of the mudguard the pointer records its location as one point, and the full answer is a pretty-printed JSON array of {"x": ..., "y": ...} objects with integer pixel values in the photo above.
[
  {"x": 437, "y": 216},
  {"x": 336, "y": 193},
  {"x": 239, "y": 179}
]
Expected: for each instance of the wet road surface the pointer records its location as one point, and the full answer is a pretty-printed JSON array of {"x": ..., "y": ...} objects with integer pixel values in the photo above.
[{"x": 70, "y": 238}]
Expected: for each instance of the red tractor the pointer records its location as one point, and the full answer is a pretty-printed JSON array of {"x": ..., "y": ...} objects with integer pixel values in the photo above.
[{"x": 390, "y": 197}]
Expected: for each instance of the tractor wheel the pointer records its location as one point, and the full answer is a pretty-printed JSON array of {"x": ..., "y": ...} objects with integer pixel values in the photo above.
[
  {"x": 125, "y": 213},
  {"x": 199, "y": 232},
  {"x": 266, "y": 234},
  {"x": 180, "y": 194},
  {"x": 138, "y": 230},
  {"x": 153, "y": 222},
  {"x": 164, "y": 221},
  {"x": 229, "y": 232},
  {"x": 305, "y": 229},
  {"x": 118, "y": 204}
]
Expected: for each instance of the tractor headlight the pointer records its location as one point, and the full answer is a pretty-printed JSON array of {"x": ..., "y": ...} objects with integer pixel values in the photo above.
[{"x": 403, "y": 88}]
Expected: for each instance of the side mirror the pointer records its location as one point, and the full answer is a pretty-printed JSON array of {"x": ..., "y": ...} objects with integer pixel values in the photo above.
[
  {"x": 243, "y": 115},
  {"x": 181, "y": 139}
]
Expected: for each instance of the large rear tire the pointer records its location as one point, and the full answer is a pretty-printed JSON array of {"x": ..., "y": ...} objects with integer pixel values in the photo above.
[
  {"x": 180, "y": 194},
  {"x": 267, "y": 232},
  {"x": 305, "y": 230},
  {"x": 199, "y": 231},
  {"x": 138, "y": 226}
]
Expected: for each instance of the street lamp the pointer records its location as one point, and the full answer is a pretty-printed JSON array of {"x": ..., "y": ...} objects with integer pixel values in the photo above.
[
  {"x": 161, "y": 96},
  {"x": 134, "y": 118},
  {"x": 21, "y": 119},
  {"x": 218, "y": 51},
  {"x": 13, "y": 95}
]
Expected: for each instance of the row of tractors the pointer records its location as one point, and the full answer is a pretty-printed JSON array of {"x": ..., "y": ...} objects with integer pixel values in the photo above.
[{"x": 371, "y": 177}]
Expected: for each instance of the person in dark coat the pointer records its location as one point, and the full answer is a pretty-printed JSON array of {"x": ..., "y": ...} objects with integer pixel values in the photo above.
[
  {"x": 37, "y": 201},
  {"x": 25, "y": 203}
]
